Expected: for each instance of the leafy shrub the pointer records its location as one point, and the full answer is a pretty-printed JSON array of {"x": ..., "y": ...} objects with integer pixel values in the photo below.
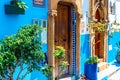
[
  {"x": 22, "y": 50},
  {"x": 59, "y": 52},
  {"x": 92, "y": 60}
]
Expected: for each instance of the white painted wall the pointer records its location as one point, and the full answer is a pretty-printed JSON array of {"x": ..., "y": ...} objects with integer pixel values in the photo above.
[{"x": 84, "y": 29}]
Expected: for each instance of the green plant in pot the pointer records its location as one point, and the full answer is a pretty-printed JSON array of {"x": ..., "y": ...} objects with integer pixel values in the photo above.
[
  {"x": 99, "y": 26},
  {"x": 91, "y": 68},
  {"x": 60, "y": 57},
  {"x": 15, "y": 7},
  {"x": 92, "y": 60},
  {"x": 59, "y": 52},
  {"x": 19, "y": 3}
]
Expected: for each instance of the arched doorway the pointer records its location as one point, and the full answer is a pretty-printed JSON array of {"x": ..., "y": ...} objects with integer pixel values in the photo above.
[
  {"x": 99, "y": 36},
  {"x": 99, "y": 40}
]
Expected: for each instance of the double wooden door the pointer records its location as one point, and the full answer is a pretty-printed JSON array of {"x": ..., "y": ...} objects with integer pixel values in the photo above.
[{"x": 62, "y": 31}]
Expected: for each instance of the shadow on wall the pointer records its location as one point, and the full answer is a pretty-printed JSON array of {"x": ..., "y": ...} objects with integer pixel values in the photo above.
[
  {"x": 37, "y": 75},
  {"x": 116, "y": 64},
  {"x": 84, "y": 45}
]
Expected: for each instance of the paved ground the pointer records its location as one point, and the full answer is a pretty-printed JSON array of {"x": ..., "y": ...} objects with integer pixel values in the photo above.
[
  {"x": 115, "y": 76},
  {"x": 111, "y": 73}
]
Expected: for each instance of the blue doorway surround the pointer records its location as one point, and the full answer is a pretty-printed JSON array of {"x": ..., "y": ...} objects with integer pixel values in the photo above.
[{"x": 74, "y": 41}]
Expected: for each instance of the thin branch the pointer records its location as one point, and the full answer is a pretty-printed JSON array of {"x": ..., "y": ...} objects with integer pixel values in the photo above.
[
  {"x": 15, "y": 66},
  {"x": 21, "y": 69},
  {"x": 96, "y": 42},
  {"x": 25, "y": 75},
  {"x": 2, "y": 77},
  {"x": 5, "y": 79},
  {"x": 11, "y": 74},
  {"x": 26, "y": 67}
]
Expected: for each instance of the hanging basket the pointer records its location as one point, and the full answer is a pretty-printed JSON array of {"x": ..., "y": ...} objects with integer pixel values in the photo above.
[{"x": 13, "y": 9}]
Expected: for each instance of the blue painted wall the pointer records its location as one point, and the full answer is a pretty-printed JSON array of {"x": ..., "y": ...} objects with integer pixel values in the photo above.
[
  {"x": 84, "y": 37},
  {"x": 9, "y": 24},
  {"x": 116, "y": 36},
  {"x": 112, "y": 41},
  {"x": 84, "y": 51}
]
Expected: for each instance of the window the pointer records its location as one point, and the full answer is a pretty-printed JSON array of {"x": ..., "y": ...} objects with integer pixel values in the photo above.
[
  {"x": 36, "y": 21},
  {"x": 38, "y": 2},
  {"x": 42, "y": 23},
  {"x": 112, "y": 8}
]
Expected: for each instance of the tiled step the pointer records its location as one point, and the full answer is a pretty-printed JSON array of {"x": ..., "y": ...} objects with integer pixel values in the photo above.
[{"x": 102, "y": 66}]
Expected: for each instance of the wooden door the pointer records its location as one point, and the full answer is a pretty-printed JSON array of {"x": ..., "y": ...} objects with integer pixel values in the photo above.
[
  {"x": 62, "y": 32},
  {"x": 97, "y": 43},
  {"x": 97, "y": 36}
]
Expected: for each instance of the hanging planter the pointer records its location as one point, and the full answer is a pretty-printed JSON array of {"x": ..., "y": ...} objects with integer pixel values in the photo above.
[
  {"x": 15, "y": 7},
  {"x": 99, "y": 26}
]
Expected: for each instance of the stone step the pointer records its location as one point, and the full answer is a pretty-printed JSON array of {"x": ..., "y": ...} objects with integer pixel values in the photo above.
[
  {"x": 100, "y": 60},
  {"x": 102, "y": 66}
]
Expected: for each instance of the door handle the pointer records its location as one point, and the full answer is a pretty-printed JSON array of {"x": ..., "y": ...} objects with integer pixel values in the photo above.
[
  {"x": 55, "y": 40},
  {"x": 64, "y": 39}
]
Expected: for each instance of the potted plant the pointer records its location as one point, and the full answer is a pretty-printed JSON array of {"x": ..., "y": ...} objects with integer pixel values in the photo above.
[
  {"x": 59, "y": 55},
  {"x": 60, "y": 58},
  {"x": 99, "y": 26},
  {"x": 115, "y": 23},
  {"x": 15, "y": 7},
  {"x": 91, "y": 68}
]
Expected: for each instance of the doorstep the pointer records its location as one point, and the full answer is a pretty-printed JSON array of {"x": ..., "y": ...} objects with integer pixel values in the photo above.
[
  {"x": 68, "y": 78},
  {"x": 102, "y": 66}
]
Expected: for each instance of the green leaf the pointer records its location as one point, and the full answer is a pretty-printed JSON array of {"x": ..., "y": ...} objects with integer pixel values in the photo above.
[{"x": 24, "y": 48}]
